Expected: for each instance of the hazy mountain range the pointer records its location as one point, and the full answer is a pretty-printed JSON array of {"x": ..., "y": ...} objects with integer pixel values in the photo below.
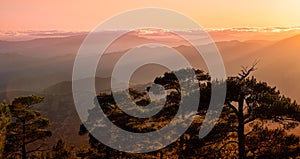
[{"x": 44, "y": 67}]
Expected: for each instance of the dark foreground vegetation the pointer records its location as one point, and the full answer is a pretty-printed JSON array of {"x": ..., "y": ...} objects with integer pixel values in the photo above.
[{"x": 243, "y": 130}]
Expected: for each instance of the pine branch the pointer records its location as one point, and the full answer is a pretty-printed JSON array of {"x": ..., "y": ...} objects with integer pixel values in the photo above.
[{"x": 245, "y": 72}]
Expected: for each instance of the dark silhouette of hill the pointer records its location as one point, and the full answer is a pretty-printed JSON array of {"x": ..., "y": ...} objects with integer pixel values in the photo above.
[
  {"x": 60, "y": 109},
  {"x": 50, "y": 75},
  {"x": 20, "y": 71}
]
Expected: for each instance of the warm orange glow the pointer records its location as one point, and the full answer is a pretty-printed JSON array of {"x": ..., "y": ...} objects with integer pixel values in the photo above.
[{"x": 85, "y": 15}]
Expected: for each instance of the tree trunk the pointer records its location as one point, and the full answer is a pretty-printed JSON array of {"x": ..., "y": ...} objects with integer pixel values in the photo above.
[
  {"x": 181, "y": 142},
  {"x": 23, "y": 151},
  {"x": 107, "y": 152},
  {"x": 241, "y": 131},
  {"x": 161, "y": 154}
]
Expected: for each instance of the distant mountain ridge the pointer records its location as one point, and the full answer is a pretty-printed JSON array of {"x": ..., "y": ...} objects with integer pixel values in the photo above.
[
  {"x": 21, "y": 71},
  {"x": 51, "y": 76}
]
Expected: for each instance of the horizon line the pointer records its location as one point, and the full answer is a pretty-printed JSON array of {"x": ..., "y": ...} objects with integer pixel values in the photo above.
[{"x": 26, "y": 35}]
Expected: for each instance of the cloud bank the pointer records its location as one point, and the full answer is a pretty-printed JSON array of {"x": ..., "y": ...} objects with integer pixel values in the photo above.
[{"x": 218, "y": 34}]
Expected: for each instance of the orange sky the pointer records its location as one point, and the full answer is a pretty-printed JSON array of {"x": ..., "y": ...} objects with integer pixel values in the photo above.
[{"x": 85, "y": 15}]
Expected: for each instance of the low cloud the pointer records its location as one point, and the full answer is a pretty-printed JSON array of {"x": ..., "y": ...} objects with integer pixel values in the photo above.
[
  {"x": 218, "y": 34},
  {"x": 34, "y": 34}
]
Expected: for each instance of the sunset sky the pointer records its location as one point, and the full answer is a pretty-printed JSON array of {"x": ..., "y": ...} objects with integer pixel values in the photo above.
[
  {"x": 67, "y": 15},
  {"x": 258, "y": 21}
]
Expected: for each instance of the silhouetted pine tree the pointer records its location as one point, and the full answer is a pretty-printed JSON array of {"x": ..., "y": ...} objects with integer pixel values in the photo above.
[{"x": 27, "y": 126}]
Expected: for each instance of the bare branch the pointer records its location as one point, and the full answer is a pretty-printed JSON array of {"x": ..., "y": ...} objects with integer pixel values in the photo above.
[
  {"x": 232, "y": 107},
  {"x": 246, "y": 71}
]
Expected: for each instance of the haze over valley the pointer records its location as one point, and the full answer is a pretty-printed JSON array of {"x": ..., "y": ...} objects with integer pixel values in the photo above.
[{"x": 44, "y": 67}]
